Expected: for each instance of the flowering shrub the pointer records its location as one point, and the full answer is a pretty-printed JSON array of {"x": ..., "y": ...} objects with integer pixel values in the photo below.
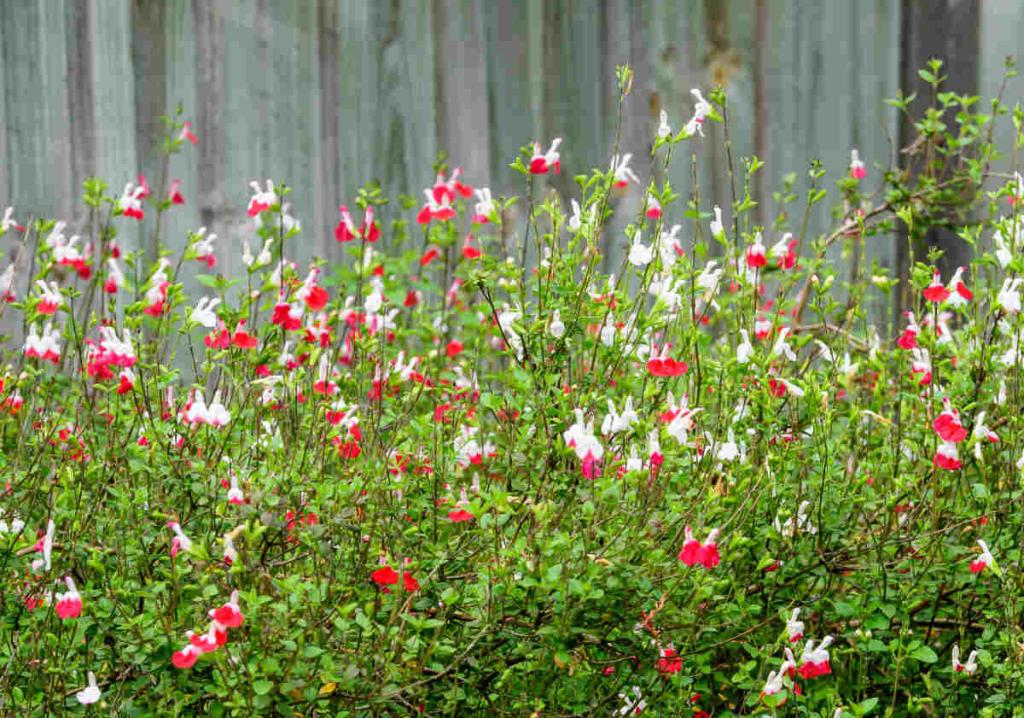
[{"x": 438, "y": 479}]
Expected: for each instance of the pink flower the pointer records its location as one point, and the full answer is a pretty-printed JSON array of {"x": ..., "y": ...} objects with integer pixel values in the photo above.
[{"x": 694, "y": 552}]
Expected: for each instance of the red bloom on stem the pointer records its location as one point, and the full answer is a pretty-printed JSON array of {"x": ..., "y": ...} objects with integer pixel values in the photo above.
[
  {"x": 69, "y": 605},
  {"x": 385, "y": 576},
  {"x": 947, "y": 424},
  {"x": 459, "y": 513},
  {"x": 936, "y": 292},
  {"x": 694, "y": 552},
  {"x": 468, "y": 250},
  {"x": 669, "y": 661},
  {"x": 186, "y": 657},
  {"x": 175, "y": 196},
  {"x": 540, "y": 164},
  {"x": 229, "y": 614}
]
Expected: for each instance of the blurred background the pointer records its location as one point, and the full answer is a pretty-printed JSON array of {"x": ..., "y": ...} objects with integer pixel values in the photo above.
[{"x": 328, "y": 95}]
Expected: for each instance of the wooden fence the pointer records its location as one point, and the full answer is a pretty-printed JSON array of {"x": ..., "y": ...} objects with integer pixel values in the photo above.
[{"x": 329, "y": 94}]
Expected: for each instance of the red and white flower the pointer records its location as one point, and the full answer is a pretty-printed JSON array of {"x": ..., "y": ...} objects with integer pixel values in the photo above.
[
  {"x": 187, "y": 133},
  {"x": 701, "y": 109},
  {"x": 435, "y": 210},
  {"x": 983, "y": 561},
  {"x": 484, "y": 209},
  {"x": 857, "y": 169},
  {"x": 970, "y": 667},
  {"x": 947, "y": 424},
  {"x": 756, "y": 254},
  {"x": 959, "y": 294},
  {"x": 794, "y": 626},
  {"x": 174, "y": 195},
  {"x": 451, "y": 188},
  {"x": 229, "y": 614},
  {"x": 49, "y": 299},
  {"x": 346, "y": 230},
  {"x": 541, "y": 164},
  {"x": 69, "y": 604},
  {"x": 115, "y": 277},
  {"x": 8, "y": 222},
  {"x": 130, "y": 203},
  {"x": 947, "y": 457},
  {"x": 921, "y": 364},
  {"x": 203, "y": 249},
  {"x": 653, "y": 207},
  {"x": 694, "y": 552},
  {"x": 908, "y": 339},
  {"x": 814, "y": 661},
  {"x": 621, "y": 171},
  {"x": 261, "y": 199},
  {"x": 44, "y": 346},
  {"x": 180, "y": 542}
]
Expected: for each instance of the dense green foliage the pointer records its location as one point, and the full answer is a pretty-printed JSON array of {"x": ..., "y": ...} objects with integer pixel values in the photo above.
[{"x": 454, "y": 476}]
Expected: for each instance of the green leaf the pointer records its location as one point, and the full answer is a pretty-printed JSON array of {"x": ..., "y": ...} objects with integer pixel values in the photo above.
[
  {"x": 262, "y": 687},
  {"x": 924, "y": 654}
]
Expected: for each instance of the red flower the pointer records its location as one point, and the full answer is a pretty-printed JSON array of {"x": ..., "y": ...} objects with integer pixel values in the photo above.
[
  {"x": 454, "y": 348},
  {"x": 317, "y": 298},
  {"x": 385, "y": 576},
  {"x": 669, "y": 662},
  {"x": 410, "y": 583}
]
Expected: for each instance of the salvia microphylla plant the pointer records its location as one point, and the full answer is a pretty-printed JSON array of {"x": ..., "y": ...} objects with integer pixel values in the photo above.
[{"x": 441, "y": 478}]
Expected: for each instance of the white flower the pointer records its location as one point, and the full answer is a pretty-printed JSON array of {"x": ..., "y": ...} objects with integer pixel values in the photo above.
[
  {"x": 745, "y": 349},
  {"x": 640, "y": 255},
  {"x": 701, "y": 109},
  {"x": 663, "y": 127},
  {"x": 204, "y": 313},
  {"x": 556, "y": 327},
  {"x": 90, "y": 694},
  {"x": 1009, "y": 295},
  {"x": 717, "y": 228}
]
